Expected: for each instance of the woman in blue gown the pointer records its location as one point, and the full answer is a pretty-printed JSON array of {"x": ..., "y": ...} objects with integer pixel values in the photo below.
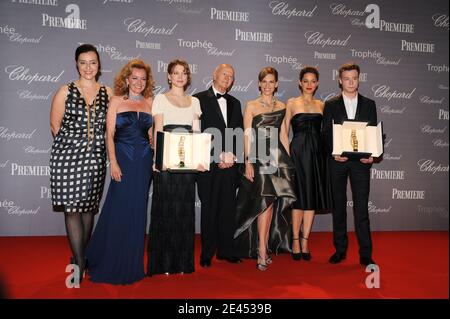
[{"x": 116, "y": 252}]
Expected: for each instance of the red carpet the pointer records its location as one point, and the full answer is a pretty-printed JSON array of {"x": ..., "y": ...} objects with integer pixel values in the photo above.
[{"x": 412, "y": 265}]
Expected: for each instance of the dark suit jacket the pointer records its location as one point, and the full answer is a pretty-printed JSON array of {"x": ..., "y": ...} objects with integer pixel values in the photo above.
[
  {"x": 212, "y": 116},
  {"x": 366, "y": 111}
]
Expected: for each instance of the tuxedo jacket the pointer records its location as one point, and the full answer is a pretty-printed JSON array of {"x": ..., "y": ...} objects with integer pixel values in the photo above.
[
  {"x": 334, "y": 110},
  {"x": 212, "y": 116}
]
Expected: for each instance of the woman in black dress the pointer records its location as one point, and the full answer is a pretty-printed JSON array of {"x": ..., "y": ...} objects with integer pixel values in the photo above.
[
  {"x": 304, "y": 113},
  {"x": 267, "y": 188},
  {"x": 172, "y": 224},
  {"x": 78, "y": 156}
]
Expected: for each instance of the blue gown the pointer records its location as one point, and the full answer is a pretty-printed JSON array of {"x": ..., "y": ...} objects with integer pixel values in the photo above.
[{"x": 115, "y": 253}]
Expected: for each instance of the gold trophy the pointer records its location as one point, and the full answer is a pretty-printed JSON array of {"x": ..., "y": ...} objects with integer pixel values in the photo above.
[
  {"x": 354, "y": 141},
  {"x": 181, "y": 152}
]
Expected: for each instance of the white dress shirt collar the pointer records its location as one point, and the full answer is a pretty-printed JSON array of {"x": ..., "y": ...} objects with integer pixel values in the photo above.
[
  {"x": 350, "y": 106},
  {"x": 222, "y": 104}
]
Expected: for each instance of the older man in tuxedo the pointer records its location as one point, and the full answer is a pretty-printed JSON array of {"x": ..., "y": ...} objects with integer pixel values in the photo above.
[
  {"x": 350, "y": 105},
  {"x": 217, "y": 187}
]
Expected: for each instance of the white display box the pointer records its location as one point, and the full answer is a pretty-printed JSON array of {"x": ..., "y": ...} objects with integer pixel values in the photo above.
[
  {"x": 196, "y": 146},
  {"x": 369, "y": 139}
]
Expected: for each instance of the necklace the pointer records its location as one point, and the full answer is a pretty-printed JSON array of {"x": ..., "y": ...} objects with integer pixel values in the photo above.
[
  {"x": 267, "y": 105},
  {"x": 88, "y": 112},
  {"x": 133, "y": 97}
]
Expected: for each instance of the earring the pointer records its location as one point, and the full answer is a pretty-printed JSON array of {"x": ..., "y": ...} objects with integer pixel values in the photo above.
[
  {"x": 127, "y": 95},
  {"x": 170, "y": 81}
]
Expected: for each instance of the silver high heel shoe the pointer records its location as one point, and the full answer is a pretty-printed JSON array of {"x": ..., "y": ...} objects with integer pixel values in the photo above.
[{"x": 261, "y": 266}]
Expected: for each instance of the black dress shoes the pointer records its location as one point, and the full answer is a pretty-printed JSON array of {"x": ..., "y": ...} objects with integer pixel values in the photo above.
[
  {"x": 296, "y": 256},
  {"x": 205, "y": 263},
  {"x": 232, "y": 260},
  {"x": 337, "y": 258},
  {"x": 306, "y": 256},
  {"x": 366, "y": 261}
]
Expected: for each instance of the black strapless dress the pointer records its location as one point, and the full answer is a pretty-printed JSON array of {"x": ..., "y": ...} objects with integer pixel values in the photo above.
[
  {"x": 308, "y": 154},
  {"x": 272, "y": 184}
]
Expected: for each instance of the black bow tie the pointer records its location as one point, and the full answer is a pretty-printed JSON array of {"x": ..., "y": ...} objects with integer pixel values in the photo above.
[{"x": 218, "y": 95}]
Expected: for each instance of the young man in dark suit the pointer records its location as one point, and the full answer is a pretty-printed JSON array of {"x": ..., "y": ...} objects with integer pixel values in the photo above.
[
  {"x": 350, "y": 105},
  {"x": 217, "y": 187}
]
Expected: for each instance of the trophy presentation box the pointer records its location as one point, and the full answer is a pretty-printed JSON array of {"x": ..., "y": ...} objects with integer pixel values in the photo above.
[
  {"x": 357, "y": 140},
  {"x": 182, "y": 152}
]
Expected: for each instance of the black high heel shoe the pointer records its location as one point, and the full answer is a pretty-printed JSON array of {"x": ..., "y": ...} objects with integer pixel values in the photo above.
[
  {"x": 82, "y": 269},
  {"x": 305, "y": 256},
  {"x": 296, "y": 256}
]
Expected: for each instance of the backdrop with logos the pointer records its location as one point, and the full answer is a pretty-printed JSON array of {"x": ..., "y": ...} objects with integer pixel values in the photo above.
[{"x": 402, "y": 48}]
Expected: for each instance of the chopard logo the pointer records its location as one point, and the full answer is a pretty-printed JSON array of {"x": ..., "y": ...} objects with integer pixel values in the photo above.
[
  {"x": 429, "y": 166},
  {"x": 21, "y": 73},
  {"x": 207, "y": 81},
  {"x": 386, "y": 109},
  {"x": 113, "y": 53},
  {"x": 328, "y": 96},
  {"x": 292, "y": 61},
  {"x": 209, "y": 47},
  {"x": 140, "y": 26},
  {"x": 428, "y": 100},
  {"x": 33, "y": 150},
  {"x": 342, "y": 10},
  {"x": 440, "y": 143},
  {"x": 318, "y": 38},
  {"x": 13, "y": 209},
  {"x": 373, "y": 209},
  {"x": 376, "y": 56},
  {"x": 383, "y": 91},
  {"x": 29, "y": 95},
  {"x": 389, "y": 157},
  {"x": 427, "y": 129},
  {"x": 281, "y": 8},
  {"x": 5, "y": 134},
  {"x": 14, "y": 36},
  {"x": 440, "y": 21}
]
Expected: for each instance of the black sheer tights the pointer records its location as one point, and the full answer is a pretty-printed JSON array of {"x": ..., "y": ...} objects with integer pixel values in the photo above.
[{"x": 79, "y": 229}]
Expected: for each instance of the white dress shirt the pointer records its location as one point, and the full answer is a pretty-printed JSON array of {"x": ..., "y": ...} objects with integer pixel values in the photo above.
[
  {"x": 223, "y": 105},
  {"x": 350, "y": 106}
]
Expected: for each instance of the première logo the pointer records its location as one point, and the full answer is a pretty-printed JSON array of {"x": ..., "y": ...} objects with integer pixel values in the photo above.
[
  {"x": 373, "y": 21},
  {"x": 71, "y": 21}
]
